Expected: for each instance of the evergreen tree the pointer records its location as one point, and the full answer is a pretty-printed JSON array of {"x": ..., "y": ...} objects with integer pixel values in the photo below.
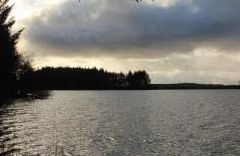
[
  {"x": 138, "y": 79},
  {"x": 10, "y": 60}
]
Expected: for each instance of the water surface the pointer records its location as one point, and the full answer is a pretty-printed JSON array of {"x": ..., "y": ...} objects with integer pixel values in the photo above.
[{"x": 124, "y": 123}]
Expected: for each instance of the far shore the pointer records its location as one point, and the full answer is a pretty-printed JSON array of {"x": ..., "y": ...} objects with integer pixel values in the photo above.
[
  {"x": 177, "y": 86},
  {"x": 186, "y": 86}
]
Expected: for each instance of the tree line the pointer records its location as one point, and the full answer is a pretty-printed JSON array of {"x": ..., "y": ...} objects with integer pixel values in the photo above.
[
  {"x": 17, "y": 74},
  {"x": 66, "y": 78}
]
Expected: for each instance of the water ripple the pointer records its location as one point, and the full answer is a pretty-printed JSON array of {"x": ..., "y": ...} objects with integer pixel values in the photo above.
[{"x": 129, "y": 123}]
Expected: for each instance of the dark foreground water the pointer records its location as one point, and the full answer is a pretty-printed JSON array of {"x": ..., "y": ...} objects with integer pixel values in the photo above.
[{"x": 124, "y": 123}]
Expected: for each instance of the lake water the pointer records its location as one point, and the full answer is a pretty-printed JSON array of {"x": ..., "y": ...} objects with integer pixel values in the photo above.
[{"x": 124, "y": 123}]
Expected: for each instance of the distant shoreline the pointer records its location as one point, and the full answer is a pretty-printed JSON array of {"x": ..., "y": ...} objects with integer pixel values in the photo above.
[{"x": 178, "y": 86}]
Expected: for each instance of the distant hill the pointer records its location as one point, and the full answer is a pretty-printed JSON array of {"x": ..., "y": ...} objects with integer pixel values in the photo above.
[{"x": 192, "y": 86}]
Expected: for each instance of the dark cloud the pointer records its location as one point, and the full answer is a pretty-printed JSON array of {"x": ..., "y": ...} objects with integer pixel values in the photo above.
[{"x": 124, "y": 28}]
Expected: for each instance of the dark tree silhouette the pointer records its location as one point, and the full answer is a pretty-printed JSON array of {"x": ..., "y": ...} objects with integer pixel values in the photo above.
[
  {"x": 50, "y": 78},
  {"x": 138, "y": 79},
  {"x": 11, "y": 62}
]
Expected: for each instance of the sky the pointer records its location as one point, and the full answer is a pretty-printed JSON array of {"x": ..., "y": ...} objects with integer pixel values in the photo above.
[{"x": 175, "y": 41}]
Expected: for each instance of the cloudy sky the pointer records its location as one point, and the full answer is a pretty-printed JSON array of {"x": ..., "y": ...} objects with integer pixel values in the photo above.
[{"x": 173, "y": 40}]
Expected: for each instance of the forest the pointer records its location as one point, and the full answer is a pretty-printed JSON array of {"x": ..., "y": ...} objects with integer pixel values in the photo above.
[{"x": 66, "y": 78}]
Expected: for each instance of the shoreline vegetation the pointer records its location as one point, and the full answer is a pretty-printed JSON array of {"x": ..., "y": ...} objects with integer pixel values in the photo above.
[{"x": 66, "y": 78}]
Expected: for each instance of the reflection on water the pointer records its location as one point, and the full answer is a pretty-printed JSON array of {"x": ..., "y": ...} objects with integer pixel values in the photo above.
[{"x": 117, "y": 123}]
